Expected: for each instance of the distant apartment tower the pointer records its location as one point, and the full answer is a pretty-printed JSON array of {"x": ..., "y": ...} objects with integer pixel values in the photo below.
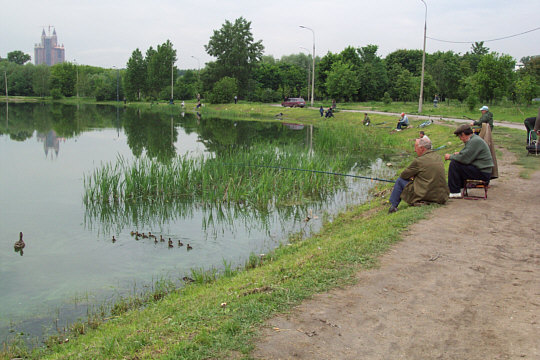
[{"x": 49, "y": 52}]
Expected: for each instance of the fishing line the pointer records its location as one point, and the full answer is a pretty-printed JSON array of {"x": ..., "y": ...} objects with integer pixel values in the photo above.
[{"x": 314, "y": 171}]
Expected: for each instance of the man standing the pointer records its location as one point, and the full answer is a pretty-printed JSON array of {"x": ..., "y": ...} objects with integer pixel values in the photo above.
[
  {"x": 487, "y": 117},
  {"x": 422, "y": 180},
  {"x": 473, "y": 162}
]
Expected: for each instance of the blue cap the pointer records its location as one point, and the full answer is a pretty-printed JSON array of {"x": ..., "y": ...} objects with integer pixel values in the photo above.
[{"x": 484, "y": 108}]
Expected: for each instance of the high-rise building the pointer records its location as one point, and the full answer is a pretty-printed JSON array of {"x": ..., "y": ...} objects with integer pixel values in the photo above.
[{"x": 49, "y": 52}]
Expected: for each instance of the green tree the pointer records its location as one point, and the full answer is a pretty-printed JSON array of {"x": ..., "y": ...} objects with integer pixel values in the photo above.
[
  {"x": 322, "y": 70},
  {"x": 526, "y": 89},
  {"x": 135, "y": 75},
  {"x": 372, "y": 74},
  {"x": 444, "y": 68},
  {"x": 40, "y": 80},
  {"x": 404, "y": 86},
  {"x": 18, "y": 57},
  {"x": 64, "y": 77},
  {"x": 342, "y": 81},
  {"x": 159, "y": 65},
  {"x": 407, "y": 59},
  {"x": 224, "y": 91},
  {"x": 494, "y": 77},
  {"x": 236, "y": 51}
]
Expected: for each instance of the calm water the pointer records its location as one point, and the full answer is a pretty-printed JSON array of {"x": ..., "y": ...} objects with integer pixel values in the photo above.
[{"x": 69, "y": 260}]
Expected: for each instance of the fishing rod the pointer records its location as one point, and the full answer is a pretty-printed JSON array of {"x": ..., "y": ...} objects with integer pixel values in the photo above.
[{"x": 314, "y": 171}]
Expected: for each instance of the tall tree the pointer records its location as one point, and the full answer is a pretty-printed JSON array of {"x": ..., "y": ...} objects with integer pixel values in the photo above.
[
  {"x": 494, "y": 76},
  {"x": 236, "y": 51},
  {"x": 135, "y": 75},
  {"x": 18, "y": 57},
  {"x": 342, "y": 81},
  {"x": 160, "y": 63},
  {"x": 64, "y": 78}
]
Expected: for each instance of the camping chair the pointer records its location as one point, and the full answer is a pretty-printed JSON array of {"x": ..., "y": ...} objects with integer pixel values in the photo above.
[{"x": 533, "y": 145}]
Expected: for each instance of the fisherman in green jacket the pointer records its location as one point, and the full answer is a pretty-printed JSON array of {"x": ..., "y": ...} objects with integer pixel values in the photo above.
[
  {"x": 422, "y": 180},
  {"x": 487, "y": 117},
  {"x": 473, "y": 162}
]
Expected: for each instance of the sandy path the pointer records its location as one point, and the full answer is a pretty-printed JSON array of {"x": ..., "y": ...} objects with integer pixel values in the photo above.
[{"x": 463, "y": 284}]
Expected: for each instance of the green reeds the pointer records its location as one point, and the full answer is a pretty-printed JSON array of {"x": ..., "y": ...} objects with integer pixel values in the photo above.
[{"x": 229, "y": 178}]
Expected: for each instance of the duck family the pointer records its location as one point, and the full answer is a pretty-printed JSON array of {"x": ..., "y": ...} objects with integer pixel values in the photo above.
[{"x": 138, "y": 235}]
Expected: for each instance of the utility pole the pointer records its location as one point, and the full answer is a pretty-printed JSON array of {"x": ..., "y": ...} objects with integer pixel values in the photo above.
[
  {"x": 172, "y": 82},
  {"x": 313, "y": 69},
  {"x": 421, "y": 98}
]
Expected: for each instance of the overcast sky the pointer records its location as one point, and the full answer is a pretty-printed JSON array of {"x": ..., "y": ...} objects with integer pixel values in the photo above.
[{"x": 105, "y": 33}]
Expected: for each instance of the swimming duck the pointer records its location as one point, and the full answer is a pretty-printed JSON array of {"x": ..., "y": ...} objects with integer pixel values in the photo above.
[
  {"x": 19, "y": 245},
  {"x": 113, "y": 239},
  {"x": 189, "y": 247},
  {"x": 180, "y": 243},
  {"x": 170, "y": 243},
  {"x": 150, "y": 235},
  {"x": 132, "y": 233},
  {"x": 144, "y": 236},
  {"x": 161, "y": 238},
  {"x": 155, "y": 240}
]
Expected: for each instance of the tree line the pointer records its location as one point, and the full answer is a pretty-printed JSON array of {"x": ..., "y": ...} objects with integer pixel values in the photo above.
[{"x": 240, "y": 69}]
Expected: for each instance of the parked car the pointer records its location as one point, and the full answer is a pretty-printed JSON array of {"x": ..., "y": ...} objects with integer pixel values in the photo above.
[{"x": 294, "y": 102}]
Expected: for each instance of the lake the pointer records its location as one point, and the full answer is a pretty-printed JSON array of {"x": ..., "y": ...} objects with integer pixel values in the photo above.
[{"x": 70, "y": 262}]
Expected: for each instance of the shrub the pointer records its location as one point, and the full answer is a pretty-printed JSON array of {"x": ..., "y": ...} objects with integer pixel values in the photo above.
[
  {"x": 56, "y": 94},
  {"x": 224, "y": 91}
]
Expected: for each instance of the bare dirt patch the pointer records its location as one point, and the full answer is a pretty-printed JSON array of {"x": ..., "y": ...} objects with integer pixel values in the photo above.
[{"x": 462, "y": 284}]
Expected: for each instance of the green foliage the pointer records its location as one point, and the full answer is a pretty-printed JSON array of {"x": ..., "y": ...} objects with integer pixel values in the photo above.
[
  {"x": 56, "y": 94},
  {"x": 135, "y": 76},
  {"x": 404, "y": 86},
  {"x": 64, "y": 78},
  {"x": 236, "y": 51},
  {"x": 526, "y": 89},
  {"x": 18, "y": 57},
  {"x": 160, "y": 68},
  {"x": 342, "y": 82},
  {"x": 224, "y": 91},
  {"x": 494, "y": 76},
  {"x": 387, "y": 100}
]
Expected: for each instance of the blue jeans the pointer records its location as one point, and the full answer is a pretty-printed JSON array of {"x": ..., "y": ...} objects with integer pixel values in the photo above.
[{"x": 395, "y": 197}]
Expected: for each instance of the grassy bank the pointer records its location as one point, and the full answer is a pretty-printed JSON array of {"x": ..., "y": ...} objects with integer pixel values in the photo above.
[{"x": 218, "y": 317}]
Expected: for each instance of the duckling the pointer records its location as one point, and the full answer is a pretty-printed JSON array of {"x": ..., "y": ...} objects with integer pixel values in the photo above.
[
  {"x": 150, "y": 235},
  {"x": 189, "y": 247},
  {"x": 180, "y": 243},
  {"x": 170, "y": 243},
  {"x": 19, "y": 245},
  {"x": 144, "y": 236},
  {"x": 155, "y": 240},
  {"x": 161, "y": 238},
  {"x": 132, "y": 233},
  {"x": 113, "y": 239}
]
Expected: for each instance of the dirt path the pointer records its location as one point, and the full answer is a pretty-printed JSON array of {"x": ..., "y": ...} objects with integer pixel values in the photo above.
[{"x": 463, "y": 284}]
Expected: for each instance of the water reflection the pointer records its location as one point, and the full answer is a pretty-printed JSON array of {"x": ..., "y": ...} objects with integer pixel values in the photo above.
[{"x": 51, "y": 142}]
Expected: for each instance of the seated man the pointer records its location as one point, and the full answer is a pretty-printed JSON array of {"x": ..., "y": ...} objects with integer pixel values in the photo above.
[
  {"x": 487, "y": 117},
  {"x": 473, "y": 162},
  {"x": 422, "y": 180},
  {"x": 402, "y": 122},
  {"x": 367, "y": 120}
]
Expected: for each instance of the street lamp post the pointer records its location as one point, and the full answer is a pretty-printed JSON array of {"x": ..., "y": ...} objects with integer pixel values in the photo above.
[
  {"x": 421, "y": 98},
  {"x": 172, "y": 82},
  {"x": 198, "y": 69},
  {"x": 313, "y": 68},
  {"x": 308, "y": 72}
]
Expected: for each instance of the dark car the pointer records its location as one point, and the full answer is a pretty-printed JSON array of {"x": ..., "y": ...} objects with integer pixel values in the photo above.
[{"x": 294, "y": 102}]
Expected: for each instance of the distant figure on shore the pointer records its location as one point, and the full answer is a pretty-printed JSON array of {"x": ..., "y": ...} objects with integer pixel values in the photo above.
[
  {"x": 235, "y": 99},
  {"x": 402, "y": 122},
  {"x": 329, "y": 113},
  {"x": 367, "y": 120},
  {"x": 321, "y": 110},
  {"x": 435, "y": 100}
]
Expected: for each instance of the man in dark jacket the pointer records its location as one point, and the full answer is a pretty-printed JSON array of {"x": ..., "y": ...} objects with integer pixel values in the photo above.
[
  {"x": 422, "y": 180},
  {"x": 473, "y": 162}
]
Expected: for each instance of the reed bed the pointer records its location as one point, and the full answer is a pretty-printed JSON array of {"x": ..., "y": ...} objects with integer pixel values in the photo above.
[{"x": 233, "y": 178}]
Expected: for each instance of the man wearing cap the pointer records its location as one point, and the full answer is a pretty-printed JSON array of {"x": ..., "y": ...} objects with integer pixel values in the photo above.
[
  {"x": 487, "y": 117},
  {"x": 422, "y": 180},
  {"x": 473, "y": 162},
  {"x": 403, "y": 121}
]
